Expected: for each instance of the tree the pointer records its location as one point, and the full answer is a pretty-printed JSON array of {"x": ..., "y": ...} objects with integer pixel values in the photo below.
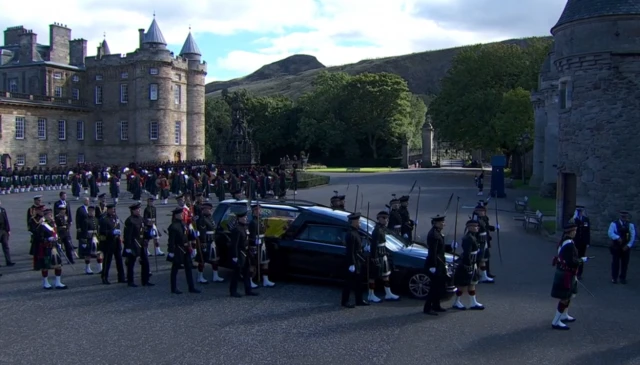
[
  {"x": 378, "y": 108},
  {"x": 465, "y": 113},
  {"x": 417, "y": 116},
  {"x": 269, "y": 119},
  {"x": 217, "y": 116}
]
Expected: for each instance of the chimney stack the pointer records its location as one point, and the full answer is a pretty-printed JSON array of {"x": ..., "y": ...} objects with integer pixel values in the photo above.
[
  {"x": 59, "y": 38},
  {"x": 28, "y": 46},
  {"x": 77, "y": 52},
  {"x": 141, "y": 37}
]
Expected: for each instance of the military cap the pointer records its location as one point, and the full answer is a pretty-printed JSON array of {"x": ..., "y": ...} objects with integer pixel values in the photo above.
[
  {"x": 241, "y": 214},
  {"x": 176, "y": 211},
  {"x": 394, "y": 201},
  {"x": 354, "y": 216},
  {"x": 102, "y": 195},
  {"x": 472, "y": 222},
  {"x": 111, "y": 206},
  {"x": 91, "y": 207},
  {"x": 570, "y": 227},
  {"x": 135, "y": 206},
  {"x": 47, "y": 210},
  {"x": 438, "y": 218},
  {"x": 151, "y": 198},
  {"x": 404, "y": 198},
  {"x": 383, "y": 213},
  {"x": 207, "y": 205},
  {"x": 181, "y": 196},
  {"x": 342, "y": 197},
  {"x": 255, "y": 205},
  {"x": 335, "y": 198},
  {"x": 37, "y": 197},
  {"x": 579, "y": 207}
]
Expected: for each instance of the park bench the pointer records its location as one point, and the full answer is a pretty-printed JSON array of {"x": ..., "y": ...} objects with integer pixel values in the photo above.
[
  {"x": 353, "y": 169},
  {"x": 522, "y": 204},
  {"x": 533, "y": 220}
]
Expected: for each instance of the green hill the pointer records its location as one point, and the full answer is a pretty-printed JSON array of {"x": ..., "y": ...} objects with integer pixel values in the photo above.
[{"x": 293, "y": 75}]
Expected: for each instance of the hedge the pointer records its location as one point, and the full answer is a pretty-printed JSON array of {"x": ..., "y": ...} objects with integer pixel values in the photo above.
[{"x": 310, "y": 181}]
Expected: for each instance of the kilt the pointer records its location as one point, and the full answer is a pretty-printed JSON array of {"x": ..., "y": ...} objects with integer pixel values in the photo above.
[
  {"x": 264, "y": 254},
  {"x": 379, "y": 267},
  {"x": 465, "y": 276},
  {"x": 565, "y": 285},
  {"x": 484, "y": 253},
  {"x": 47, "y": 256}
]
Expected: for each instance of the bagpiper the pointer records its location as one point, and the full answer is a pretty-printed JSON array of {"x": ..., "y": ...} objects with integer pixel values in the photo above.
[
  {"x": 466, "y": 273},
  {"x": 623, "y": 236},
  {"x": 47, "y": 250},
  {"x": 206, "y": 227},
  {"x": 565, "y": 283},
  {"x": 379, "y": 264}
]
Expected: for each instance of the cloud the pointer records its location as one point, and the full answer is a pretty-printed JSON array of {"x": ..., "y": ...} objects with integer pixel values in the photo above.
[{"x": 335, "y": 31}]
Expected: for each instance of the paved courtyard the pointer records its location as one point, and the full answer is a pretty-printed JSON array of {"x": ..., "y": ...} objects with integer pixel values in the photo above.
[{"x": 302, "y": 323}]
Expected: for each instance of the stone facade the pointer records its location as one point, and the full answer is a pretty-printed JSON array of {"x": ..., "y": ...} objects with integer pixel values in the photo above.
[
  {"x": 590, "y": 95},
  {"x": 116, "y": 108}
]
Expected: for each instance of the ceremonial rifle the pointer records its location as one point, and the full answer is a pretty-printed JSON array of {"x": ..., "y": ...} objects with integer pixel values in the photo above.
[
  {"x": 498, "y": 229},
  {"x": 413, "y": 187},
  {"x": 448, "y": 205},
  {"x": 355, "y": 206},
  {"x": 415, "y": 225},
  {"x": 455, "y": 228}
]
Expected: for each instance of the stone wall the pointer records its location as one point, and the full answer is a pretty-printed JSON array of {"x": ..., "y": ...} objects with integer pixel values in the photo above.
[{"x": 195, "y": 111}]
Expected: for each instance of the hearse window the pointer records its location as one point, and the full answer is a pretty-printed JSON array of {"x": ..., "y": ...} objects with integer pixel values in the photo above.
[
  {"x": 228, "y": 219},
  {"x": 276, "y": 213},
  {"x": 323, "y": 234}
]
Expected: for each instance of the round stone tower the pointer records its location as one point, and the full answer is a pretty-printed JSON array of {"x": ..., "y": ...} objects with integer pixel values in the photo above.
[
  {"x": 597, "y": 59},
  {"x": 195, "y": 99}
]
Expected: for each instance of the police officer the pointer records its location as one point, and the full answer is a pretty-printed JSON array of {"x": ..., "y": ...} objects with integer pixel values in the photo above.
[{"x": 623, "y": 235}]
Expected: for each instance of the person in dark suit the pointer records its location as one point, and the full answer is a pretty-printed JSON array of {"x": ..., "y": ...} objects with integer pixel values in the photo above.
[{"x": 5, "y": 232}]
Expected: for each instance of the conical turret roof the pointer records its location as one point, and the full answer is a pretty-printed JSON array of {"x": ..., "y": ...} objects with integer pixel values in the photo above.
[
  {"x": 586, "y": 9},
  {"x": 190, "y": 46},
  {"x": 154, "y": 34},
  {"x": 105, "y": 47}
]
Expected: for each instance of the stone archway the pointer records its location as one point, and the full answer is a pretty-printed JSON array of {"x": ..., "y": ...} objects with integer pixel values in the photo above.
[{"x": 177, "y": 156}]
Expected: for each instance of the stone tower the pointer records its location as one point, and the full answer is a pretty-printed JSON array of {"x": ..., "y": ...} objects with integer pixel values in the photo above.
[
  {"x": 197, "y": 71},
  {"x": 597, "y": 60},
  {"x": 427, "y": 143}
]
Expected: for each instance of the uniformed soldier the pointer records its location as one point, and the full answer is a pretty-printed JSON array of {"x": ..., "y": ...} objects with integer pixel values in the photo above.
[
  {"x": 583, "y": 234},
  {"x": 34, "y": 217},
  {"x": 484, "y": 239},
  {"x": 92, "y": 181},
  {"x": 379, "y": 265},
  {"x": 64, "y": 234},
  {"x": 163, "y": 184},
  {"x": 435, "y": 266},
  {"x": 114, "y": 185},
  {"x": 179, "y": 251},
  {"x": 111, "y": 244},
  {"x": 220, "y": 186},
  {"x": 256, "y": 239},
  {"x": 335, "y": 202},
  {"x": 236, "y": 194},
  {"x": 282, "y": 179},
  {"x": 565, "y": 284},
  {"x": 76, "y": 185},
  {"x": 353, "y": 263},
  {"x": 395, "y": 219},
  {"x": 5, "y": 232},
  {"x": 47, "y": 251},
  {"x": 466, "y": 273},
  {"x": 101, "y": 206},
  {"x": 150, "y": 216},
  {"x": 407, "y": 224},
  {"x": 134, "y": 246},
  {"x": 206, "y": 228},
  {"x": 341, "y": 202},
  {"x": 88, "y": 240},
  {"x": 480, "y": 183},
  {"x": 622, "y": 234},
  {"x": 239, "y": 252}
]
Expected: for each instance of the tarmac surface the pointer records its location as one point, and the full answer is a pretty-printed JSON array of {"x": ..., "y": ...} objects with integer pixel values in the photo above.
[{"x": 301, "y": 322}]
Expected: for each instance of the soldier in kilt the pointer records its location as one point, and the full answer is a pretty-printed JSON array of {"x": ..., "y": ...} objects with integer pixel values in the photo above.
[
  {"x": 89, "y": 240},
  {"x": 206, "y": 228},
  {"x": 47, "y": 251},
  {"x": 257, "y": 244},
  {"x": 379, "y": 265},
  {"x": 466, "y": 274},
  {"x": 565, "y": 283}
]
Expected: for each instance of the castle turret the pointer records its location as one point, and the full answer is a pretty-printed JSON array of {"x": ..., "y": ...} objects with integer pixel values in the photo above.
[
  {"x": 597, "y": 59},
  {"x": 153, "y": 37},
  {"x": 195, "y": 99}
]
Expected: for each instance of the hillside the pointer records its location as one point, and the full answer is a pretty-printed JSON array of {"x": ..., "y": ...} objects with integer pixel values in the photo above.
[{"x": 293, "y": 76}]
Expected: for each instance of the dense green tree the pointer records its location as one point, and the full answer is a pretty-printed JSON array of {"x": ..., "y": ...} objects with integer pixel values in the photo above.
[
  {"x": 469, "y": 111},
  {"x": 417, "y": 116},
  {"x": 217, "y": 116}
]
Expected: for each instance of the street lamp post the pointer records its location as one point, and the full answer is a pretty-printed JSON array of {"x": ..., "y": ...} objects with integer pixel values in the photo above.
[{"x": 522, "y": 142}]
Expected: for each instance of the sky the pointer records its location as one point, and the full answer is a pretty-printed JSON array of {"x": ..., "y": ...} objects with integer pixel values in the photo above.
[{"x": 237, "y": 37}]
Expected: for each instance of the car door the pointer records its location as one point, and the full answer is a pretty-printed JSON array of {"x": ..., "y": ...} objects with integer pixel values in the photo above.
[{"x": 319, "y": 249}]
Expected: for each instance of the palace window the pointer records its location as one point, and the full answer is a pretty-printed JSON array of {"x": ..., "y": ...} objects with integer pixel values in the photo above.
[
  {"x": 124, "y": 130},
  {"x": 124, "y": 75},
  {"x": 80, "y": 157},
  {"x": 20, "y": 127},
  {"x": 153, "y": 91},
  {"x": 98, "y": 95},
  {"x": 62, "y": 130},
  {"x": 75, "y": 94},
  {"x": 21, "y": 160},
  {"x": 124, "y": 93},
  {"x": 80, "y": 130},
  {"x": 42, "y": 159},
  {"x": 178, "y": 133},
  {"x": 564, "y": 94},
  {"x": 57, "y": 91},
  {"x": 154, "y": 131},
  {"x": 42, "y": 129},
  {"x": 177, "y": 94},
  {"x": 153, "y": 71},
  {"x": 13, "y": 85},
  {"x": 76, "y": 78},
  {"x": 178, "y": 77},
  {"x": 62, "y": 159},
  {"x": 99, "y": 130},
  {"x": 57, "y": 75},
  {"x": 98, "y": 77}
]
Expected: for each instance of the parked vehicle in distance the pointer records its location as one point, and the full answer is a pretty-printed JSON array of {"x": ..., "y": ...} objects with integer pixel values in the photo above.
[{"x": 307, "y": 239}]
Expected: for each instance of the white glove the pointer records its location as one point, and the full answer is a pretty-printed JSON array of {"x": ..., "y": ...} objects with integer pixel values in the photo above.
[
  {"x": 197, "y": 233},
  {"x": 432, "y": 270},
  {"x": 235, "y": 259},
  {"x": 367, "y": 248},
  {"x": 497, "y": 226},
  {"x": 51, "y": 239},
  {"x": 116, "y": 232},
  {"x": 195, "y": 217},
  {"x": 585, "y": 259},
  {"x": 406, "y": 236},
  {"x": 352, "y": 268},
  {"x": 127, "y": 250},
  {"x": 84, "y": 245},
  {"x": 170, "y": 254}
]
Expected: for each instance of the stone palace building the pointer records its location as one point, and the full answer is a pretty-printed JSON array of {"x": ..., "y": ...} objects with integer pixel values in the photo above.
[
  {"x": 586, "y": 112},
  {"x": 60, "y": 107}
]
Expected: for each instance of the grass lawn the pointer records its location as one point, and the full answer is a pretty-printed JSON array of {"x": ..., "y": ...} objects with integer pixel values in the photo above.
[
  {"x": 549, "y": 226},
  {"x": 344, "y": 169},
  {"x": 546, "y": 205}
]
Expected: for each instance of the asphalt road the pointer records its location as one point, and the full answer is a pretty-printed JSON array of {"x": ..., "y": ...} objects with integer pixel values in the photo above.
[{"x": 302, "y": 323}]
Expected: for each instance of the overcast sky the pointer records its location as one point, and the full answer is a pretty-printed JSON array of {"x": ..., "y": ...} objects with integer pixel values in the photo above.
[{"x": 237, "y": 37}]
